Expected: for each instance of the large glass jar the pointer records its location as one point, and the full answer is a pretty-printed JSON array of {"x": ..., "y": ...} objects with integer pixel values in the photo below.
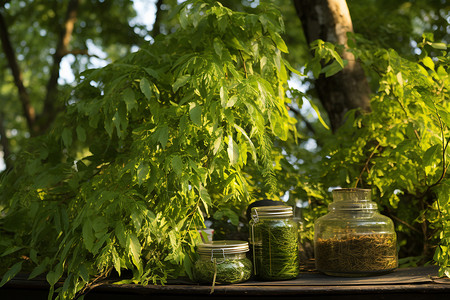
[
  {"x": 223, "y": 262},
  {"x": 354, "y": 239},
  {"x": 274, "y": 242}
]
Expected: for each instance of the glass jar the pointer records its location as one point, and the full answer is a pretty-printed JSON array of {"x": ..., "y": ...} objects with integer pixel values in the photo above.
[
  {"x": 222, "y": 262},
  {"x": 354, "y": 239},
  {"x": 274, "y": 242}
]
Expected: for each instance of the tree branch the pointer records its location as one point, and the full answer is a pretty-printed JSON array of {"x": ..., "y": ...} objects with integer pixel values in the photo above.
[
  {"x": 299, "y": 114},
  {"x": 48, "y": 113},
  {"x": 24, "y": 97},
  {"x": 5, "y": 144},
  {"x": 158, "y": 16}
]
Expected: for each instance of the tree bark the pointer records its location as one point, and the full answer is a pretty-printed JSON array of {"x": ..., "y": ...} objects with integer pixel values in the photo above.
[
  {"x": 5, "y": 143},
  {"x": 24, "y": 97},
  {"x": 156, "y": 25},
  {"x": 62, "y": 49},
  {"x": 329, "y": 20}
]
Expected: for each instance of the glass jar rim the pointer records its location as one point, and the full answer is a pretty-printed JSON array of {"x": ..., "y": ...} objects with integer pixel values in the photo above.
[
  {"x": 353, "y": 205},
  {"x": 223, "y": 247},
  {"x": 351, "y": 194}
]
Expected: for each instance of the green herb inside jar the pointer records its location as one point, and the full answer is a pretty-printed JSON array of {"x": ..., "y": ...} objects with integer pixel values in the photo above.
[
  {"x": 223, "y": 262},
  {"x": 226, "y": 270},
  {"x": 274, "y": 238}
]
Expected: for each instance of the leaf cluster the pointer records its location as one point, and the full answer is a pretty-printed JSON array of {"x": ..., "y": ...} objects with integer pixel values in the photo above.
[{"x": 147, "y": 147}]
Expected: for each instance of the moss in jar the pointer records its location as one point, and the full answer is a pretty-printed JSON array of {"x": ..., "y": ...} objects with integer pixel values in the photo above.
[
  {"x": 276, "y": 257},
  {"x": 227, "y": 270},
  {"x": 359, "y": 254}
]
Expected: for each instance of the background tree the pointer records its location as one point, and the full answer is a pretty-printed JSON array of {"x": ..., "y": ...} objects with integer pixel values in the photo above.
[{"x": 35, "y": 37}]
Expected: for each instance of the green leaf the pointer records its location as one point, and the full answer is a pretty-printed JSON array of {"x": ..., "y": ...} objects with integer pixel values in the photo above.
[
  {"x": 430, "y": 154},
  {"x": 428, "y": 62},
  {"x": 67, "y": 137},
  {"x": 218, "y": 47},
  {"x": 332, "y": 68},
  {"x": 195, "y": 113},
  {"x": 88, "y": 235},
  {"x": 223, "y": 96},
  {"x": 39, "y": 269},
  {"x": 11, "y": 273},
  {"x": 119, "y": 232},
  {"x": 181, "y": 81},
  {"x": 143, "y": 172},
  {"x": 278, "y": 41},
  {"x": 163, "y": 135},
  {"x": 232, "y": 101},
  {"x": 316, "y": 109},
  {"x": 177, "y": 165},
  {"x": 135, "y": 249},
  {"x": 145, "y": 89},
  {"x": 11, "y": 250},
  {"x": 205, "y": 197},
  {"x": 217, "y": 144},
  {"x": 116, "y": 260},
  {"x": 252, "y": 146},
  {"x": 439, "y": 46},
  {"x": 81, "y": 133},
  {"x": 54, "y": 276},
  {"x": 130, "y": 99},
  {"x": 233, "y": 150},
  {"x": 338, "y": 58}
]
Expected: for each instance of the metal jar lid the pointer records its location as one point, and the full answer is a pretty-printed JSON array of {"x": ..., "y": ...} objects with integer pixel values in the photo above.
[
  {"x": 276, "y": 211},
  {"x": 223, "y": 247}
]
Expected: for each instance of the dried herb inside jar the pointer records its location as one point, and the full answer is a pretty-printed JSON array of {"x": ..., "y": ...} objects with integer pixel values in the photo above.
[
  {"x": 225, "y": 270},
  {"x": 359, "y": 254},
  {"x": 276, "y": 249}
]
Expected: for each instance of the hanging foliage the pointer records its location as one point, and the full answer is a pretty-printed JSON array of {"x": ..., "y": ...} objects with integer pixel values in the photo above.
[{"x": 147, "y": 147}]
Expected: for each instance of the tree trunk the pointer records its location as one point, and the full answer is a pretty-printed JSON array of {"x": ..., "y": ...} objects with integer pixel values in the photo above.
[
  {"x": 329, "y": 20},
  {"x": 4, "y": 142},
  {"x": 49, "y": 111},
  {"x": 28, "y": 109},
  {"x": 158, "y": 15}
]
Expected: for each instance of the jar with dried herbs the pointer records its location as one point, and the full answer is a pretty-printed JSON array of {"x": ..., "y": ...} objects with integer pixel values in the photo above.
[
  {"x": 354, "y": 239},
  {"x": 274, "y": 243},
  {"x": 222, "y": 262}
]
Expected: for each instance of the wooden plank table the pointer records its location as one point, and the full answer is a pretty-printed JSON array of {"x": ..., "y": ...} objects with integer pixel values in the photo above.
[{"x": 408, "y": 283}]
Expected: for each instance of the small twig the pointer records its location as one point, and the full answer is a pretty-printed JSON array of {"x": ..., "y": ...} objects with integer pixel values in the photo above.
[
  {"x": 406, "y": 224},
  {"x": 93, "y": 283},
  {"x": 299, "y": 114},
  {"x": 243, "y": 62},
  {"x": 366, "y": 165}
]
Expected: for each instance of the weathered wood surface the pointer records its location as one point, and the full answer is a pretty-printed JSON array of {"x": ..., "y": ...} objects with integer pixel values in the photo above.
[{"x": 411, "y": 283}]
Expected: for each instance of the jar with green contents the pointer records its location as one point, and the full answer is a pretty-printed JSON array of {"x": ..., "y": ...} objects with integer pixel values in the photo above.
[
  {"x": 354, "y": 239},
  {"x": 223, "y": 262},
  {"x": 274, "y": 241}
]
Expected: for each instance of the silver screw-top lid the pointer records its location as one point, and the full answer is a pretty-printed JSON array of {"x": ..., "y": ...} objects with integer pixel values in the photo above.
[
  {"x": 275, "y": 211},
  {"x": 223, "y": 247}
]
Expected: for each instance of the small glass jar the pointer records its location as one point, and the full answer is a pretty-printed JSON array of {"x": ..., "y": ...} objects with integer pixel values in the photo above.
[
  {"x": 274, "y": 242},
  {"x": 223, "y": 262},
  {"x": 354, "y": 239}
]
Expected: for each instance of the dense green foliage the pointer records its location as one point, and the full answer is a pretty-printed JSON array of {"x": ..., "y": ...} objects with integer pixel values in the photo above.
[
  {"x": 400, "y": 149},
  {"x": 195, "y": 126},
  {"x": 148, "y": 146},
  {"x": 34, "y": 28}
]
